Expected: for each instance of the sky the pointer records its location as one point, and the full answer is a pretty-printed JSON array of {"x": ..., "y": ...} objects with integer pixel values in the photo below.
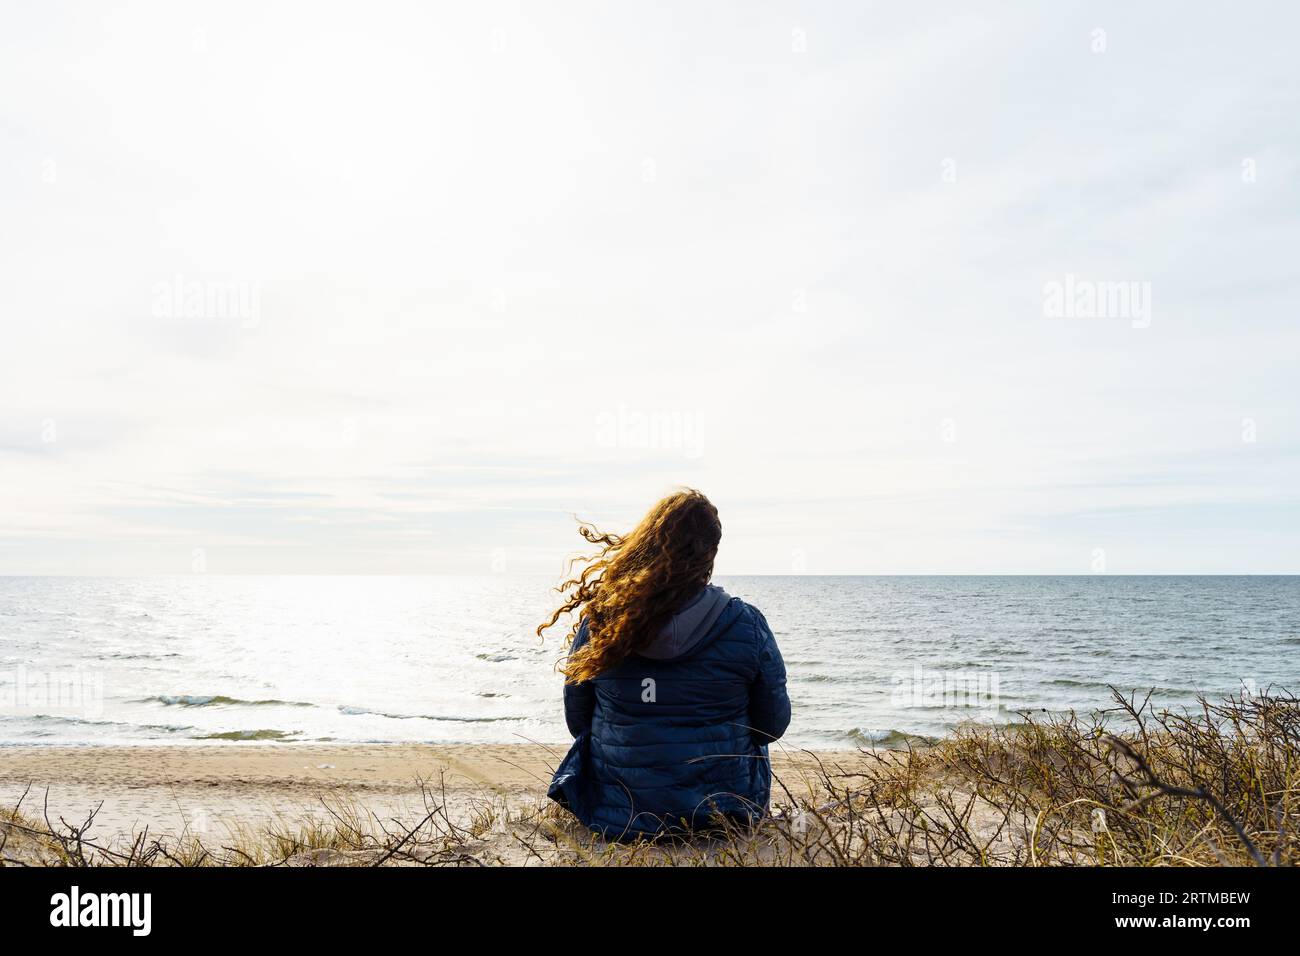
[{"x": 403, "y": 288}]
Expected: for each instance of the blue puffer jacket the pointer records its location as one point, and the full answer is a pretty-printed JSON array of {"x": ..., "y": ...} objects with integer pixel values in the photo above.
[{"x": 678, "y": 732}]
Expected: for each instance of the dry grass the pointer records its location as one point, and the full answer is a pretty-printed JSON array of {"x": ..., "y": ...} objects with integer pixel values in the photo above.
[{"x": 1217, "y": 786}]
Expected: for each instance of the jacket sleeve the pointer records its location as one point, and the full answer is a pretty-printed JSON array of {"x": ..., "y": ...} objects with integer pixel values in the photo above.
[
  {"x": 579, "y": 699},
  {"x": 769, "y": 704}
]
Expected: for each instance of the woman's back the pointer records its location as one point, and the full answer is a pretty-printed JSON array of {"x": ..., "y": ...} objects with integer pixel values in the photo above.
[{"x": 678, "y": 731}]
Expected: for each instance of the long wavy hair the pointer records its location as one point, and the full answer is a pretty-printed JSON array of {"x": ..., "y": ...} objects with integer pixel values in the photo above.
[{"x": 629, "y": 589}]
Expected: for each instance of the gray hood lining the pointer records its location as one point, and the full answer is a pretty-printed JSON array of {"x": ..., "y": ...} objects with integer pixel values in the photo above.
[{"x": 688, "y": 626}]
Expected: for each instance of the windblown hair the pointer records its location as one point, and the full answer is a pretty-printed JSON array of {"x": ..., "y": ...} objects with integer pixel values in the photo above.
[{"x": 632, "y": 586}]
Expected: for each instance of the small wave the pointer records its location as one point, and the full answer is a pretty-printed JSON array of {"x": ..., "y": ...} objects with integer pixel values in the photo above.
[
  {"x": 250, "y": 735},
  {"x": 57, "y": 719},
  {"x": 890, "y": 739},
  {"x": 496, "y": 658},
  {"x": 124, "y": 656},
  {"x": 1103, "y": 685},
  {"x": 217, "y": 700},
  {"x": 363, "y": 712},
  {"x": 54, "y": 719}
]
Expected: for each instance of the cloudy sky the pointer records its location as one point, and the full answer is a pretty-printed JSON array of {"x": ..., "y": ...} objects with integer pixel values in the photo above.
[{"x": 402, "y": 288}]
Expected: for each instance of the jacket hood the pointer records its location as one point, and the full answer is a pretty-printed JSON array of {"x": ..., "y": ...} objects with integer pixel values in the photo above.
[{"x": 688, "y": 626}]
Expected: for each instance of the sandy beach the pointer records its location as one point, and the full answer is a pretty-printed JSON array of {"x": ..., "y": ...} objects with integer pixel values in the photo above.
[
  {"x": 1040, "y": 793},
  {"x": 212, "y": 789}
]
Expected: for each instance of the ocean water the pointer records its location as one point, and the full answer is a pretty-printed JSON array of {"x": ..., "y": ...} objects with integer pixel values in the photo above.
[{"x": 455, "y": 659}]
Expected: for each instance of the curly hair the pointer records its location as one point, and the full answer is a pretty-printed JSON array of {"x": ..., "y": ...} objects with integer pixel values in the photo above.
[{"x": 632, "y": 586}]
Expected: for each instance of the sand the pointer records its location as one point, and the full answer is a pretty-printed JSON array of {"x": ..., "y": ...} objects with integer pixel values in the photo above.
[{"x": 213, "y": 789}]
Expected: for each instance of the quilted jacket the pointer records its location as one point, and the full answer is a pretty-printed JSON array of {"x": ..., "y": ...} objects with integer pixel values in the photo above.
[{"x": 678, "y": 733}]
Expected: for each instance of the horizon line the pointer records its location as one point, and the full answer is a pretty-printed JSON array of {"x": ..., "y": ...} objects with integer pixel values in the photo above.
[{"x": 726, "y": 574}]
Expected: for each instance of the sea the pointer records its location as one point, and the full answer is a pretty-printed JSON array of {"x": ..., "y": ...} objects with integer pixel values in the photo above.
[{"x": 872, "y": 661}]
